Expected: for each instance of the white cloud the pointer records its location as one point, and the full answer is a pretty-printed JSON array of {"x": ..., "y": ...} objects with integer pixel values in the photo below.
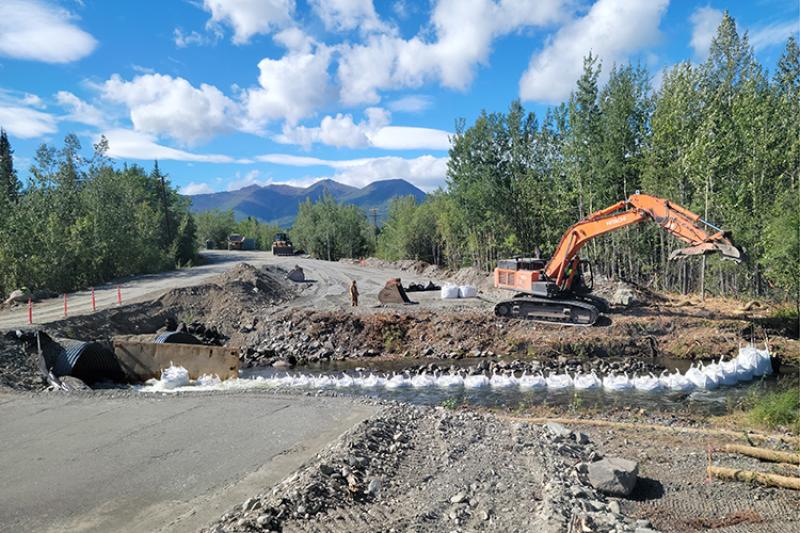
[
  {"x": 410, "y": 138},
  {"x": 426, "y": 172},
  {"x": 339, "y": 131},
  {"x": 80, "y": 111},
  {"x": 773, "y": 34},
  {"x": 374, "y": 131},
  {"x": 611, "y": 30},
  {"x": 32, "y": 100},
  {"x": 413, "y": 103},
  {"x": 464, "y": 33},
  {"x": 291, "y": 88},
  {"x": 246, "y": 180},
  {"x": 347, "y": 15},
  {"x": 249, "y": 17},
  {"x": 705, "y": 21},
  {"x": 34, "y": 30},
  {"x": 166, "y": 106},
  {"x": 24, "y": 122},
  {"x": 193, "y": 188},
  {"x": 294, "y": 39},
  {"x": 193, "y": 38},
  {"x": 129, "y": 144}
]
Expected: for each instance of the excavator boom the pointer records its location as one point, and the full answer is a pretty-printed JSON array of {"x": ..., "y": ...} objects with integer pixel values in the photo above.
[{"x": 551, "y": 292}]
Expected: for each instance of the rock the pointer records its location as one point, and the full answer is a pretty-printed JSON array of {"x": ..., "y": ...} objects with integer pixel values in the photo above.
[
  {"x": 458, "y": 498},
  {"x": 613, "y": 506},
  {"x": 557, "y": 429},
  {"x": 18, "y": 296},
  {"x": 484, "y": 515},
  {"x": 645, "y": 530},
  {"x": 374, "y": 487},
  {"x": 581, "y": 438},
  {"x": 614, "y": 475}
]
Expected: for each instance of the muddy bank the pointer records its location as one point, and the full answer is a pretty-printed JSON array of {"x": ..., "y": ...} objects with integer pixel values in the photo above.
[{"x": 312, "y": 336}]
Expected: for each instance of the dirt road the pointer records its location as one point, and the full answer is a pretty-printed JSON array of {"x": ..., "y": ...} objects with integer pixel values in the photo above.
[
  {"x": 134, "y": 463},
  {"x": 329, "y": 283}
]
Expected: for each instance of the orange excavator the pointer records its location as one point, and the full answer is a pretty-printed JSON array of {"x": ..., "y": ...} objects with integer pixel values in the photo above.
[{"x": 557, "y": 290}]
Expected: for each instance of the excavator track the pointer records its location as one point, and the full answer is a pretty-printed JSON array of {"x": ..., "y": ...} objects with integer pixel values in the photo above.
[{"x": 564, "y": 312}]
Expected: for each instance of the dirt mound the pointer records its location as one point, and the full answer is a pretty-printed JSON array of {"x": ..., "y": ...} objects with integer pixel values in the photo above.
[
  {"x": 233, "y": 301},
  {"x": 625, "y": 294}
]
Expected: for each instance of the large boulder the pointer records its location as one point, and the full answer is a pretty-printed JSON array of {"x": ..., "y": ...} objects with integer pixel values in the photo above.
[
  {"x": 18, "y": 296},
  {"x": 614, "y": 476}
]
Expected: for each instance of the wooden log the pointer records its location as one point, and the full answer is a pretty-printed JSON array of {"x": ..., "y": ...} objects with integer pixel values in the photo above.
[
  {"x": 770, "y": 480},
  {"x": 763, "y": 453}
]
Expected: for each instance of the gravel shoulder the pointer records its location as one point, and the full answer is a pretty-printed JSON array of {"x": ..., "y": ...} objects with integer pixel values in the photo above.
[{"x": 119, "y": 461}]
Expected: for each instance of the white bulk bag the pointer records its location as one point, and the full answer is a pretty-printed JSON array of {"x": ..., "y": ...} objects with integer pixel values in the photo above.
[
  {"x": 449, "y": 292},
  {"x": 466, "y": 291}
]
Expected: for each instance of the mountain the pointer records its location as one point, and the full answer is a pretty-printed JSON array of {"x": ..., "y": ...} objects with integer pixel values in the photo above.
[{"x": 278, "y": 204}]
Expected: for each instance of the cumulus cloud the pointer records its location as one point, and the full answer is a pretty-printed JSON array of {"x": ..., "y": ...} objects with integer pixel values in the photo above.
[
  {"x": 464, "y": 32},
  {"x": 426, "y": 172},
  {"x": 249, "y": 17},
  {"x": 340, "y": 130},
  {"x": 373, "y": 131},
  {"x": 347, "y": 15},
  {"x": 705, "y": 21},
  {"x": 192, "y": 188},
  {"x": 166, "y": 106},
  {"x": 34, "y": 30},
  {"x": 612, "y": 29},
  {"x": 290, "y": 88},
  {"x": 129, "y": 144},
  {"x": 80, "y": 111}
]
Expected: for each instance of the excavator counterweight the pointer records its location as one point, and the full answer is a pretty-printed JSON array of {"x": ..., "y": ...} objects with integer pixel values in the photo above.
[{"x": 556, "y": 290}]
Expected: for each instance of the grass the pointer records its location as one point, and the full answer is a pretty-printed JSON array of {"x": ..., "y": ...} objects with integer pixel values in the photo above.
[{"x": 775, "y": 409}]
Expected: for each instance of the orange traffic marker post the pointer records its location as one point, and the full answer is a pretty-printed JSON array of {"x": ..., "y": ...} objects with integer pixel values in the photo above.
[
  {"x": 94, "y": 306},
  {"x": 65, "y": 305}
]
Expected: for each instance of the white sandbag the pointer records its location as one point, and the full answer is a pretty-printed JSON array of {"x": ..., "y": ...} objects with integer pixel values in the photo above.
[
  {"x": 449, "y": 292},
  {"x": 207, "y": 380},
  {"x": 174, "y": 376},
  {"x": 467, "y": 291}
]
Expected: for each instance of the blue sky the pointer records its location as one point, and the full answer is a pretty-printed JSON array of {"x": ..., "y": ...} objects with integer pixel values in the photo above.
[{"x": 227, "y": 93}]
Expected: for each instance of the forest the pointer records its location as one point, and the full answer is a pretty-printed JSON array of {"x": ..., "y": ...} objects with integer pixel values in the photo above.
[
  {"x": 79, "y": 221},
  {"x": 721, "y": 138}
]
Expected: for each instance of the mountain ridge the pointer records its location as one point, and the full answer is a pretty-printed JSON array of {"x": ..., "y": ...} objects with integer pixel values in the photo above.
[{"x": 279, "y": 203}]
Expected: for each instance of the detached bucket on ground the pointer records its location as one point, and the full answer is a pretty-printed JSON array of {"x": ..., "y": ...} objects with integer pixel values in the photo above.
[{"x": 393, "y": 293}]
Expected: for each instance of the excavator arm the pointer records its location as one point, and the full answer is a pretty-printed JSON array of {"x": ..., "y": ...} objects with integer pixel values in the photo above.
[{"x": 679, "y": 221}]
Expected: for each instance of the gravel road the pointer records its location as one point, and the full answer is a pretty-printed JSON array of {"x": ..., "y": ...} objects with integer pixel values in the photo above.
[
  {"x": 123, "y": 462},
  {"x": 327, "y": 287}
]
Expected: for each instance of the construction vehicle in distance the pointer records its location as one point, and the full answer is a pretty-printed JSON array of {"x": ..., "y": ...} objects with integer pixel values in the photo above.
[
  {"x": 281, "y": 245},
  {"x": 557, "y": 291}
]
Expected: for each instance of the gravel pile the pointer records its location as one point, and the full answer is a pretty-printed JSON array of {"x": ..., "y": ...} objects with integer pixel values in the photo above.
[
  {"x": 432, "y": 469},
  {"x": 18, "y": 366}
]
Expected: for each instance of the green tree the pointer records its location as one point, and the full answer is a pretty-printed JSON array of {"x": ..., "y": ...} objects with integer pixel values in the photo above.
[
  {"x": 9, "y": 184},
  {"x": 186, "y": 245}
]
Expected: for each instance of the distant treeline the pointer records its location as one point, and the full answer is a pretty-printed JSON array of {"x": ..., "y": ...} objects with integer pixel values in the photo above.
[
  {"x": 216, "y": 225},
  {"x": 721, "y": 138},
  {"x": 78, "y": 222}
]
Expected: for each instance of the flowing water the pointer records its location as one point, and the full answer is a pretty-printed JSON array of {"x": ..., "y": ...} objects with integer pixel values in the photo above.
[{"x": 376, "y": 381}]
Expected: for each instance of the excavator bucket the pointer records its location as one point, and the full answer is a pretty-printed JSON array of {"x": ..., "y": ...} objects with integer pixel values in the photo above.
[
  {"x": 393, "y": 293},
  {"x": 726, "y": 249}
]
